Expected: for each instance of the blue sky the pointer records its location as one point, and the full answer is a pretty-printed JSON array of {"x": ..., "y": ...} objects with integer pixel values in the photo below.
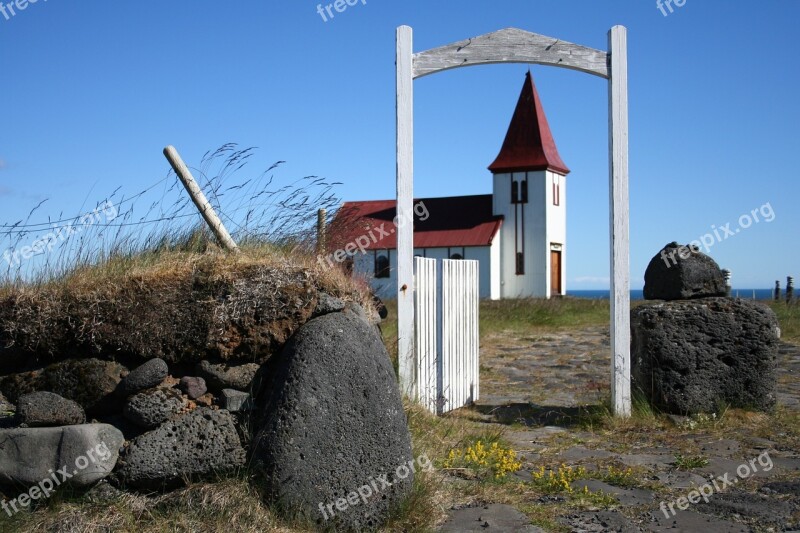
[{"x": 94, "y": 90}]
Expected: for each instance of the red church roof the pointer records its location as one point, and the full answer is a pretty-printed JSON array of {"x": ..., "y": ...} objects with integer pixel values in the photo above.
[
  {"x": 529, "y": 144},
  {"x": 452, "y": 221}
]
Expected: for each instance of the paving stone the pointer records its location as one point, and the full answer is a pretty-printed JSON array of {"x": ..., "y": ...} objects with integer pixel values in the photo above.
[
  {"x": 724, "y": 447},
  {"x": 494, "y": 517},
  {"x": 654, "y": 461},
  {"x": 691, "y": 522},
  {"x": 760, "y": 507},
  {"x": 599, "y": 521},
  {"x": 680, "y": 479},
  {"x": 578, "y": 453}
]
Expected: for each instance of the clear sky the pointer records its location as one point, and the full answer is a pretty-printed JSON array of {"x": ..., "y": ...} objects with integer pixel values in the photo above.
[{"x": 93, "y": 91}]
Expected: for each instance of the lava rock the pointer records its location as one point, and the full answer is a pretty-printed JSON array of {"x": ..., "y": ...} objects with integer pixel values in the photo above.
[
  {"x": 222, "y": 376},
  {"x": 152, "y": 407},
  {"x": 332, "y": 421},
  {"x": 681, "y": 273},
  {"x": 193, "y": 387},
  {"x": 86, "y": 453},
  {"x": 197, "y": 444},
  {"x": 235, "y": 401},
  {"x": 327, "y": 304},
  {"x": 145, "y": 376},
  {"x": 89, "y": 382},
  {"x": 692, "y": 356},
  {"x": 46, "y": 409}
]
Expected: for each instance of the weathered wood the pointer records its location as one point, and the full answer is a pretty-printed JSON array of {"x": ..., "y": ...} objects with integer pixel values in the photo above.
[
  {"x": 322, "y": 218},
  {"x": 447, "y": 341},
  {"x": 426, "y": 310},
  {"x": 512, "y": 45},
  {"x": 199, "y": 199},
  {"x": 405, "y": 213},
  {"x": 517, "y": 46},
  {"x": 619, "y": 222}
]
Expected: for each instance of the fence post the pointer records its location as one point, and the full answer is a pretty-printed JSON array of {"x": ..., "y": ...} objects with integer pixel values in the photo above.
[
  {"x": 777, "y": 295},
  {"x": 199, "y": 199},
  {"x": 322, "y": 235},
  {"x": 789, "y": 289},
  {"x": 727, "y": 275}
]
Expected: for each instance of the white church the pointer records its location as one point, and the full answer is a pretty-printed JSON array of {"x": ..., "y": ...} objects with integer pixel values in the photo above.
[{"x": 517, "y": 233}]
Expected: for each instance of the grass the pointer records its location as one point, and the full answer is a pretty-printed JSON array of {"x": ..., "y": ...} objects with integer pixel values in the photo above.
[
  {"x": 533, "y": 315},
  {"x": 789, "y": 320},
  {"x": 683, "y": 462}
]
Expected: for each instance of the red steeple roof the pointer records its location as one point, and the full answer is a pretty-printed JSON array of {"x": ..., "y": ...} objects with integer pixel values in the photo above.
[{"x": 529, "y": 144}]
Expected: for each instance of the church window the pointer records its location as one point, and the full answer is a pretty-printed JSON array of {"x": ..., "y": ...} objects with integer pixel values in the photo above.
[{"x": 382, "y": 269}]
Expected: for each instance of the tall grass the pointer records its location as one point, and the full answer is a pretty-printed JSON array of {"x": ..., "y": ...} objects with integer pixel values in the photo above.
[{"x": 259, "y": 210}]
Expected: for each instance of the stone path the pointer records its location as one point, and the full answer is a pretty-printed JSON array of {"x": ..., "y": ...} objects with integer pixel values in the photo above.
[{"x": 534, "y": 386}]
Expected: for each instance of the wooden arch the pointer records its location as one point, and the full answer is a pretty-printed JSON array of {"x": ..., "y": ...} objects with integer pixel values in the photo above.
[{"x": 513, "y": 45}]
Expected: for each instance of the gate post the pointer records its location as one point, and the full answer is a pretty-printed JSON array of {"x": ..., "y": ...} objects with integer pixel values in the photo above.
[
  {"x": 619, "y": 230},
  {"x": 405, "y": 201}
]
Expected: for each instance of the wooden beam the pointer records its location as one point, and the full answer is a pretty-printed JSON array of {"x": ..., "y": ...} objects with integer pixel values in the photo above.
[
  {"x": 512, "y": 45},
  {"x": 619, "y": 222},
  {"x": 199, "y": 199},
  {"x": 405, "y": 211}
]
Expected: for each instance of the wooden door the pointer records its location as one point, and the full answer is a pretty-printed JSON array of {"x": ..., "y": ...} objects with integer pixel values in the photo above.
[{"x": 555, "y": 273}]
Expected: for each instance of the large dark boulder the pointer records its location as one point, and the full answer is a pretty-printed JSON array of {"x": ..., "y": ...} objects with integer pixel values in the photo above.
[
  {"x": 46, "y": 409},
  {"x": 200, "y": 443},
  {"x": 694, "y": 355},
  {"x": 682, "y": 272},
  {"x": 333, "y": 423},
  {"x": 89, "y": 382}
]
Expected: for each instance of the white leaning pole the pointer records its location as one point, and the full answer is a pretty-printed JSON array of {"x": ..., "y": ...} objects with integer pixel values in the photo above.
[
  {"x": 513, "y": 45},
  {"x": 199, "y": 199}
]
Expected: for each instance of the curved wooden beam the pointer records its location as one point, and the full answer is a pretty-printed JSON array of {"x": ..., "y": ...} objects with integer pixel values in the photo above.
[{"x": 512, "y": 45}]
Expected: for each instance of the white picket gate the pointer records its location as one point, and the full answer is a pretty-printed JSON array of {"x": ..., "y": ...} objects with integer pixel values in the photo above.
[{"x": 446, "y": 333}]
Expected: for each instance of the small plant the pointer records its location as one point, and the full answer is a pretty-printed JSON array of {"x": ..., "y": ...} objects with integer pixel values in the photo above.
[
  {"x": 700, "y": 420},
  {"x": 683, "y": 462},
  {"x": 617, "y": 477},
  {"x": 495, "y": 460},
  {"x": 558, "y": 480},
  {"x": 595, "y": 499}
]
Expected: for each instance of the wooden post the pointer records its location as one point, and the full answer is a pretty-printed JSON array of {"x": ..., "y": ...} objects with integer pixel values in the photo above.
[
  {"x": 199, "y": 199},
  {"x": 789, "y": 289},
  {"x": 619, "y": 222},
  {"x": 405, "y": 201},
  {"x": 322, "y": 217},
  {"x": 777, "y": 293}
]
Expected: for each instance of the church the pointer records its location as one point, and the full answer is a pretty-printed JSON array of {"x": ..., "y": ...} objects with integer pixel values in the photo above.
[{"x": 517, "y": 233}]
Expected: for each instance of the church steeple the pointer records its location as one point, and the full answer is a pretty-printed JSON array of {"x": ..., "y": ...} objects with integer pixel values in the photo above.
[{"x": 529, "y": 144}]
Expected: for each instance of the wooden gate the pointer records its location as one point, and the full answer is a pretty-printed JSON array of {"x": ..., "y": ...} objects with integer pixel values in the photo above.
[{"x": 446, "y": 344}]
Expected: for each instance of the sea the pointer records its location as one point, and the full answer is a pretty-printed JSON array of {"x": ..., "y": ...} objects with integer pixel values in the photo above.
[{"x": 749, "y": 294}]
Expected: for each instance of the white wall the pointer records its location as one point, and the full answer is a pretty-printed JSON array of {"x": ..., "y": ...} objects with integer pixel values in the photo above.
[
  {"x": 544, "y": 224},
  {"x": 557, "y": 226},
  {"x": 364, "y": 265}
]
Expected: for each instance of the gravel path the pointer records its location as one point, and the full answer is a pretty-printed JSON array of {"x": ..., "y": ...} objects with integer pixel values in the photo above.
[{"x": 534, "y": 388}]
